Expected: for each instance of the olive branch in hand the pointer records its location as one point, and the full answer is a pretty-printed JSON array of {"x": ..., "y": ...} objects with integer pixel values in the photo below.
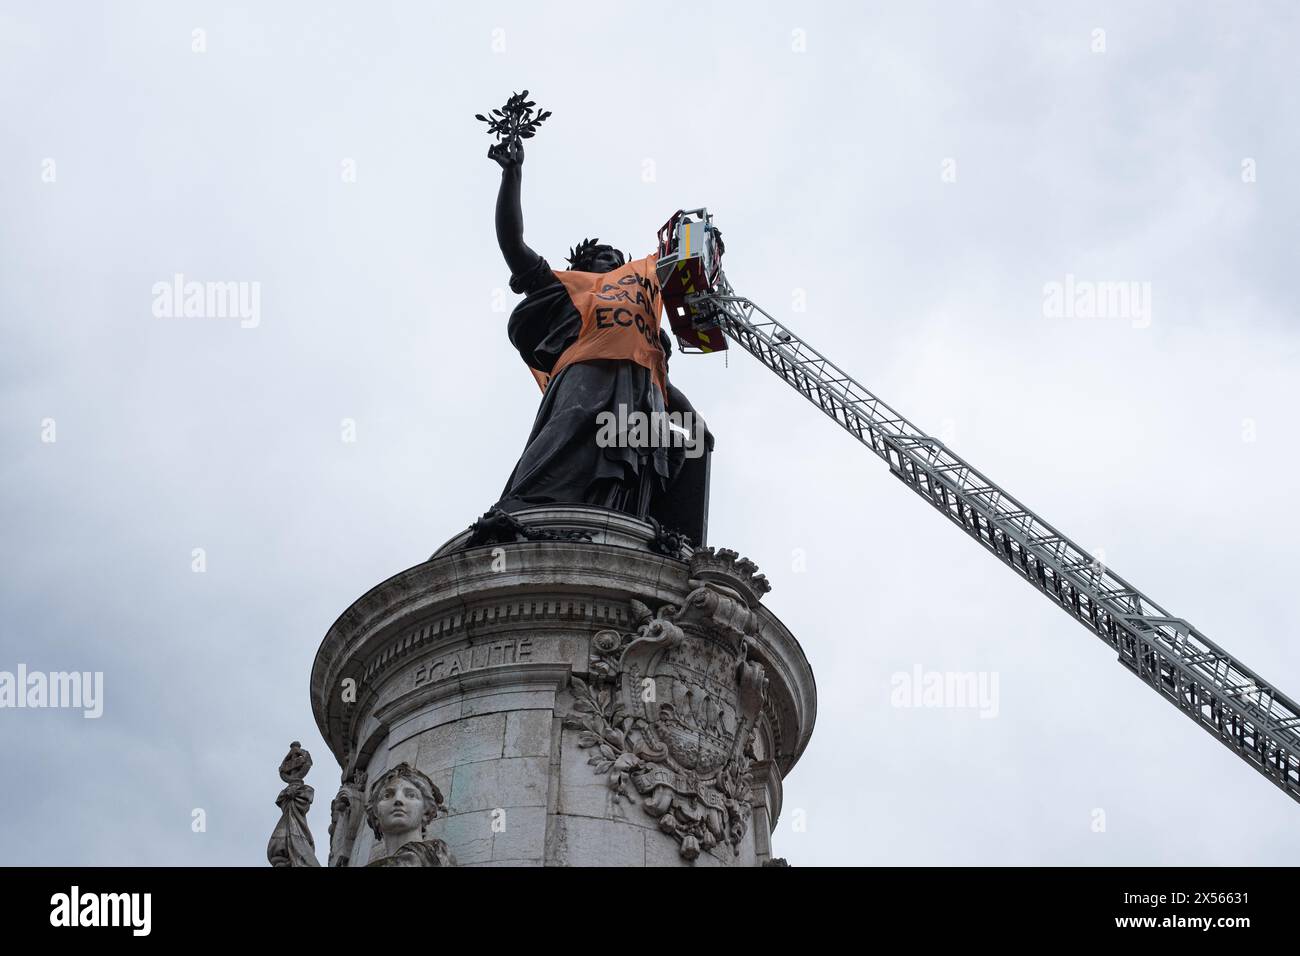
[{"x": 515, "y": 120}]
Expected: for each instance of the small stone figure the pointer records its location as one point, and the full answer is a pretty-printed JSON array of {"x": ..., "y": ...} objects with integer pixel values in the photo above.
[
  {"x": 291, "y": 842},
  {"x": 403, "y": 802},
  {"x": 347, "y": 808}
]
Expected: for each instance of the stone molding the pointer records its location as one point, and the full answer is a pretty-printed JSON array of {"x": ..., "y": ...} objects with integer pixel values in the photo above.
[{"x": 529, "y": 626}]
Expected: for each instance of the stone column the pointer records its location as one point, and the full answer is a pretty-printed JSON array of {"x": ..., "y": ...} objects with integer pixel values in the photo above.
[{"x": 589, "y": 693}]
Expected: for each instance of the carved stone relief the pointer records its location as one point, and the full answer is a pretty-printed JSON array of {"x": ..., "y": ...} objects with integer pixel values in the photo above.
[{"x": 670, "y": 710}]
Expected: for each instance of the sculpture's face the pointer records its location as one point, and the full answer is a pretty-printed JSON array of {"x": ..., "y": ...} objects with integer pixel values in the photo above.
[
  {"x": 607, "y": 260},
  {"x": 400, "y": 806}
]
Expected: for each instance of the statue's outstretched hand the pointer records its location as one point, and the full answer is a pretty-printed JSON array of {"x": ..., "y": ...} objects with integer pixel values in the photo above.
[{"x": 508, "y": 154}]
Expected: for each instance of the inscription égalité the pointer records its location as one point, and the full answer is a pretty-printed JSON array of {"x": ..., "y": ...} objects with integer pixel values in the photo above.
[{"x": 475, "y": 657}]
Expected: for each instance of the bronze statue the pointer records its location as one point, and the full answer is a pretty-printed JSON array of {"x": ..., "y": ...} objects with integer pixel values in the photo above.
[{"x": 591, "y": 337}]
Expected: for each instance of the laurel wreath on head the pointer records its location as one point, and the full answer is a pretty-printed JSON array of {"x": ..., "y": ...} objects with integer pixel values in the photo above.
[{"x": 583, "y": 251}]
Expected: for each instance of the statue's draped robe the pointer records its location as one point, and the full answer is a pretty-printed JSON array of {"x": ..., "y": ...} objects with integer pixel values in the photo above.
[
  {"x": 291, "y": 843},
  {"x": 562, "y": 461},
  {"x": 418, "y": 853}
]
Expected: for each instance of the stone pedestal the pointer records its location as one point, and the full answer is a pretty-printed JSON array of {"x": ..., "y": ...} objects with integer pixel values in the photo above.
[{"x": 579, "y": 697}]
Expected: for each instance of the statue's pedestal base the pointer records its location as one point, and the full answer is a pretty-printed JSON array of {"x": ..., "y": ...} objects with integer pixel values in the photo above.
[{"x": 579, "y": 699}]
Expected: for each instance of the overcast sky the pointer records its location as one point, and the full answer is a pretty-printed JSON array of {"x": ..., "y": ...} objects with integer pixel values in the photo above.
[{"x": 899, "y": 182}]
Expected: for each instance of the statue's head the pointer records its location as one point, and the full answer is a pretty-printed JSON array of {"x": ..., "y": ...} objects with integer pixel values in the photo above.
[
  {"x": 402, "y": 800},
  {"x": 592, "y": 255}
]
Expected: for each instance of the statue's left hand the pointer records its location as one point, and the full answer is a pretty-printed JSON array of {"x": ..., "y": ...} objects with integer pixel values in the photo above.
[{"x": 508, "y": 154}]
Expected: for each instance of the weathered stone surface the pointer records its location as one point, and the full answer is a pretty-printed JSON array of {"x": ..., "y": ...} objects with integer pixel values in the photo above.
[
  {"x": 466, "y": 740},
  {"x": 508, "y": 702},
  {"x": 665, "y": 852},
  {"x": 586, "y": 794},
  {"x": 520, "y": 834},
  {"x": 403, "y": 752},
  {"x": 509, "y": 782},
  {"x": 528, "y": 733},
  {"x": 514, "y": 678},
  {"x": 586, "y": 841},
  {"x": 483, "y": 837},
  {"x": 469, "y": 835},
  {"x": 420, "y": 721}
]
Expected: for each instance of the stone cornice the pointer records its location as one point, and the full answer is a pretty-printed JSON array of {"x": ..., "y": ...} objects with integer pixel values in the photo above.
[{"x": 535, "y": 588}]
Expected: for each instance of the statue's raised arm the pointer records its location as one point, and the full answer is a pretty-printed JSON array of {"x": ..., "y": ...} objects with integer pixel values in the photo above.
[
  {"x": 512, "y": 123},
  {"x": 510, "y": 214}
]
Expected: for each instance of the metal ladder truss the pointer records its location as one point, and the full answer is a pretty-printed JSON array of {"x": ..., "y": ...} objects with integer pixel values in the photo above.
[{"x": 1247, "y": 714}]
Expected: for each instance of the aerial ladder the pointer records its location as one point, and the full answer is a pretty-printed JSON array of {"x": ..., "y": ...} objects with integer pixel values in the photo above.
[{"x": 1246, "y": 713}]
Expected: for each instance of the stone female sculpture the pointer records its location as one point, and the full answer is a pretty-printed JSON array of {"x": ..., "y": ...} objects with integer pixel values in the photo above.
[
  {"x": 348, "y": 805},
  {"x": 591, "y": 337},
  {"x": 291, "y": 843},
  {"x": 402, "y": 803}
]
